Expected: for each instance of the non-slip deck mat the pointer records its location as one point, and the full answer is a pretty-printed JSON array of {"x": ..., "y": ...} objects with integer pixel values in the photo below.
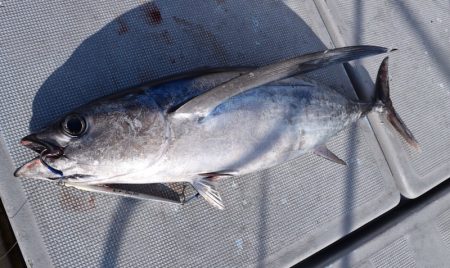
[
  {"x": 420, "y": 81},
  {"x": 419, "y": 239},
  {"x": 56, "y": 56}
]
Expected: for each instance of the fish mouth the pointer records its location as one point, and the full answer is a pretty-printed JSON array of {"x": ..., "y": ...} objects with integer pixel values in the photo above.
[
  {"x": 38, "y": 167},
  {"x": 41, "y": 147}
]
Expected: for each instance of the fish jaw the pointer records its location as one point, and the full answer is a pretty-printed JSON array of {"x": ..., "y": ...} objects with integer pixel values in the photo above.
[
  {"x": 35, "y": 169},
  {"x": 40, "y": 145}
]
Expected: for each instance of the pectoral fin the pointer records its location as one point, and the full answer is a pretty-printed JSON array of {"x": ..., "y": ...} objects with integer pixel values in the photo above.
[
  {"x": 323, "y": 151},
  {"x": 202, "y": 105},
  {"x": 206, "y": 187},
  {"x": 222, "y": 173},
  {"x": 118, "y": 192}
]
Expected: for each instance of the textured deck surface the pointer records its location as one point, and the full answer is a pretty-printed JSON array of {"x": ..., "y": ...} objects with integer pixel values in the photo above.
[
  {"x": 420, "y": 81},
  {"x": 420, "y": 239},
  {"x": 54, "y": 57}
]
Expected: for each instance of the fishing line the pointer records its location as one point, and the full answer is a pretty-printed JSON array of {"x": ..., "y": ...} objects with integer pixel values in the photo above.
[
  {"x": 25, "y": 201},
  {"x": 52, "y": 169},
  {"x": 183, "y": 196},
  {"x": 8, "y": 251}
]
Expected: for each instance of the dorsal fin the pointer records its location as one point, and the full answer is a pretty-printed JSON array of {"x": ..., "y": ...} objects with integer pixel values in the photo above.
[{"x": 203, "y": 104}]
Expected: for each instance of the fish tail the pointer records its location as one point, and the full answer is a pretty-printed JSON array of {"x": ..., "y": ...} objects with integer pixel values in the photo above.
[{"x": 383, "y": 101}]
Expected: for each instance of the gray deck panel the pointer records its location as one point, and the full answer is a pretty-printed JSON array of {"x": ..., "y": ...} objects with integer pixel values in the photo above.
[
  {"x": 420, "y": 80},
  {"x": 58, "y": 56},
  {"x": 20, "y": 215},
  {"x": 419, "y": 239}
]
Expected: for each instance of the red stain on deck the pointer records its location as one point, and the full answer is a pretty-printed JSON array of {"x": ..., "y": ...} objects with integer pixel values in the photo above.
[
  {"x": 181, "y": 21},
  {"x": 71, "y": 200},
  {"x": 152, "y": 13},
  {"x": 166, "y": 37},
  {"x": 123, "y": 27},
  {"x": 203, "y": 36}
]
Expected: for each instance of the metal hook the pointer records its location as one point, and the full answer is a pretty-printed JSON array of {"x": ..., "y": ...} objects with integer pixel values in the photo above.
[{"x": 52, "y": 169}]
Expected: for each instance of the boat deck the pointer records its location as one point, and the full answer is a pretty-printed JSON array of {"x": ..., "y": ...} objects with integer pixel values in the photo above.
[{"x": 55, "y": 56}]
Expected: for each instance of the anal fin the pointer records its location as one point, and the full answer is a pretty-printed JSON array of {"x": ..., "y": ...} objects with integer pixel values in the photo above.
[
  {"x": 206, "y": 187},
  {"x": 323, "y": 151}
]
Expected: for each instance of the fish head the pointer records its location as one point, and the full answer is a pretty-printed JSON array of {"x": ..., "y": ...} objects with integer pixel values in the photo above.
[{"x": 103, "y": 139}]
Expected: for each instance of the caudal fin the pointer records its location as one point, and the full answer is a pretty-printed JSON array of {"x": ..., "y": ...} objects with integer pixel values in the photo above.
[{"x": 382, "y": 97}]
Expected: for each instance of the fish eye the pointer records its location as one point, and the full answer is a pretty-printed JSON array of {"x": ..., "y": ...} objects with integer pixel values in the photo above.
[{"x": 74, "y": 125}]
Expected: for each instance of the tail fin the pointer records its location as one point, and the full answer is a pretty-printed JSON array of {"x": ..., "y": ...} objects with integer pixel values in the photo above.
[{"x": 382, "y": 98}]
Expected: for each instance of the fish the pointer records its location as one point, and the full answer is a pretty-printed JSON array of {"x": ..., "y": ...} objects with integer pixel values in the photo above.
[{"x": 202, "y": 127}]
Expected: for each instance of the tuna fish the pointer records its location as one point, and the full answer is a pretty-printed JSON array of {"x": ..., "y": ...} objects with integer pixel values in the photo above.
[{"x": 200, "y": 128}]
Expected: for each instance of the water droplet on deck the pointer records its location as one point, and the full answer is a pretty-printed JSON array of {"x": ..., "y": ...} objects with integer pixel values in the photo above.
[{"x": 239, "y": 244}]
